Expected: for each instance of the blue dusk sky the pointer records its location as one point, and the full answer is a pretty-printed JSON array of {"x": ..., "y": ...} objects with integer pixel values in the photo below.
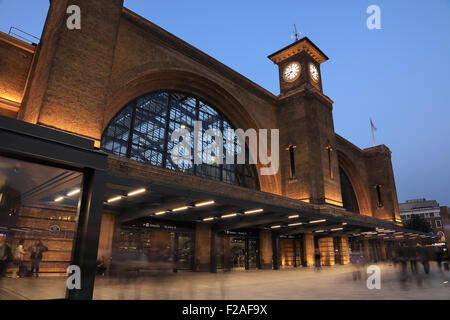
[{"x": 398, "y": 76}]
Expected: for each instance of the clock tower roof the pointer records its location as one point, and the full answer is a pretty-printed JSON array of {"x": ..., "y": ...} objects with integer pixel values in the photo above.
[{"x": 303, "y": 44}]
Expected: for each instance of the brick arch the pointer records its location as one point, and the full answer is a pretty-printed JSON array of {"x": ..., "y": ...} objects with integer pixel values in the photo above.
[
  {"x": 357, "y": 183},
  {"x": 189, "y": 82}
]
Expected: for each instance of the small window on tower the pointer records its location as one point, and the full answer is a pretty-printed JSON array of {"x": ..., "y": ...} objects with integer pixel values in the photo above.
[
  {"x": 291, "y": 150},
  {"x": 380, "y": 201}
]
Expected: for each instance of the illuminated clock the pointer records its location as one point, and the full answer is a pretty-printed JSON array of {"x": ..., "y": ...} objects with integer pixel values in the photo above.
[
  {"x": 292, "y": 72},
  {"x": 314, "y": 72}
]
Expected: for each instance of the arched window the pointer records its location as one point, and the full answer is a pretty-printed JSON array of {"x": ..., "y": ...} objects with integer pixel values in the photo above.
[
  {"x": 142, "y": 131},
  {"x": 348, "y": 193}
]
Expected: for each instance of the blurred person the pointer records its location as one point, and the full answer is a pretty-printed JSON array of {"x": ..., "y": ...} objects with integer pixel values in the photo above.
[
  {"x": 413, "y": 255},
  {"x": 317, "y": 265},
  {"x": 438, "y": 255},
  {"x": 18, "y": 259},
  {"x": 5, "y": 255},
  {"x": 37, "y": 251},
  {"x": 403, "y": 259},
  {"x": 425, "y": 258},
  {"x": 101, "y": 267}
]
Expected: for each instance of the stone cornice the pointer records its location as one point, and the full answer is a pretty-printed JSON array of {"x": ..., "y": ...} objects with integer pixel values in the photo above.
[
  {"x": 302, "y": 45},
  {"x": 307, "y": 91}
]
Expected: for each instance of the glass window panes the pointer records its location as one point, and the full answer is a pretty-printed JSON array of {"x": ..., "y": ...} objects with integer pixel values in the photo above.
[{"x": 142, "y": 131}]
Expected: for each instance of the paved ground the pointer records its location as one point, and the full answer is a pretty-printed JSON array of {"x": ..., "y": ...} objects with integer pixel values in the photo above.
[{"x": 289, "y": 284}]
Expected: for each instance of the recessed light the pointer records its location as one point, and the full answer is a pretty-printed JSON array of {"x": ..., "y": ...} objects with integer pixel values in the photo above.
[
  {"x": 115, "y": 199},
  {"x": 295, "y": 224},
  {"x": 180, "y": 209},
  {"x": 74, "y": 192},
  {"x": 294, "y": 216},
  {"x": 160, "y": 213},
  {"x": 275, "y": 227},
  {"x": 229, "y": 215},
  {"x": 253, "y": 211},
  {"x": 208, "y": 219},
  {"x": 136, "y": 192},
  {"x": 318, "y": 221},
  {"x": 207, "y": 203},
  {"x": 59, "y": 199}
]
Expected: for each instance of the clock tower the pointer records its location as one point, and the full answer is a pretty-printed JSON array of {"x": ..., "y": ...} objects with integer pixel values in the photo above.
[{"x": 299, "y": 65}]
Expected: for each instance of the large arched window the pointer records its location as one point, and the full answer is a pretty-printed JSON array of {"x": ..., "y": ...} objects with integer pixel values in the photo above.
[
  {"x": 142, "y": 131},
  {"x": 348, "y": 193}
]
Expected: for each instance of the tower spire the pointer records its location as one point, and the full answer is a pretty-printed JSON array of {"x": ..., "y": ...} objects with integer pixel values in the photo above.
[{"x": 296, "y": 34}]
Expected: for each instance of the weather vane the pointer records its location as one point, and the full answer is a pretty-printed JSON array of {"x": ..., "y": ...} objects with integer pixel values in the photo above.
[{"x": 296, "y": 34}]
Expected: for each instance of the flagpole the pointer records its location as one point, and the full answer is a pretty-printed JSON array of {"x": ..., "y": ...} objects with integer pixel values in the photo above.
[
  {"x": 372, "y": 126},
  {"x": 373, "y": 137}
]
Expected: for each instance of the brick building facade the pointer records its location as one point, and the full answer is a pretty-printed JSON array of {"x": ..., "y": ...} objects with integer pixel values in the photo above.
[{"x": 78, "y": 81}]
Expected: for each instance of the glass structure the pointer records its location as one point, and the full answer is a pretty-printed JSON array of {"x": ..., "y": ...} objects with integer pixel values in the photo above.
[{"x": 142, "y": 131}]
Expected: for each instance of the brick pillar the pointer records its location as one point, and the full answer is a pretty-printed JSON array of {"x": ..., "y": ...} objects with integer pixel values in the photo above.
[
  {"x": 367, "y": 249},
  {"x": 326, "y": 248},
  {"x": 203, "y": 247},
  {"x": 308, "y": 247},
  {"x": 228, "y": 264},
  {"x": 344, "y": 252},
  {"x": 383, "y": 255},
  {"x": 105, "y": 240},
  {"x": 265, "y": 249}
]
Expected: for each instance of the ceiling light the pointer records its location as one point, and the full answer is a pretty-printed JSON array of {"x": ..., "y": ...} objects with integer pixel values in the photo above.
[
  {"x": 115, "y": 199},
  {"x": 231, "y": 215},
  {"x": 207, "y": 203},
  {"x": 275, "y": 227},
  {"x": 295, "y": 224},
  {"x": 294, "y": 216},
  {"x": 180, "y": 209},
  {"x": 319, "y": 231},
  {"x": 59, "y": 199},
  {"x": 318, "y": 221},
  {"x": 160, "y": 213},
  {"x": 74, "y": 192},
  {"x": 135, "y": 193},
  {"x": 253, "y": 211},
  {"x": 344, "y": 223},
  {"x": 337, "y": 229},
  {"x": 208, "y": 219}
]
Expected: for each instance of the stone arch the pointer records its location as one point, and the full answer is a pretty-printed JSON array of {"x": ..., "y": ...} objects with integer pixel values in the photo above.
[
  {"x": 357, "y": 183},
  {"x": 198, "y": 85}
]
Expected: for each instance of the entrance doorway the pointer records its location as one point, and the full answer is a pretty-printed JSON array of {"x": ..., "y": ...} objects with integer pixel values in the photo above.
[
  {"x": 290, "y": 253},
  {"x": 243, "y": 252}
]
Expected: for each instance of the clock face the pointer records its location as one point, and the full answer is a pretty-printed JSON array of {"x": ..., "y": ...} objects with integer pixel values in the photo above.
[
  {"x": 314, "y": 72},
  {"x": 292, "y": 72}
]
